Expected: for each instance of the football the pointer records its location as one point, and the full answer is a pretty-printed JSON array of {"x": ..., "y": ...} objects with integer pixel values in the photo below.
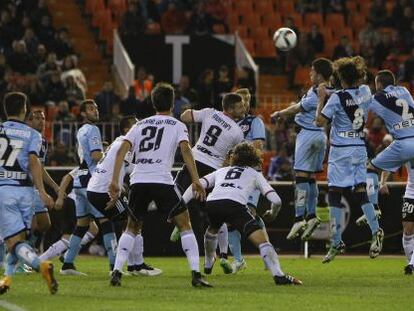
[{"x": 285, "y": 39}]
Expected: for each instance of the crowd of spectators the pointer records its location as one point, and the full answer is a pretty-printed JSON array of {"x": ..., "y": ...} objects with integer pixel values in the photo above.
[{"x": 197, "y": 17}]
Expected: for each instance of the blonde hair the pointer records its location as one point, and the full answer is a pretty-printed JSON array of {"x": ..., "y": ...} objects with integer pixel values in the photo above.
[{"x": 245, "y": 94}]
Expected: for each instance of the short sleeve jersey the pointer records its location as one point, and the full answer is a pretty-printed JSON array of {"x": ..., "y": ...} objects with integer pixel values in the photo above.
[
  {"x": 89, "y": 140},
  {"x": 409, "y": 188},
  {"x": 219, "y": 133},
  {"x": 395, "y": 106},
  {"x": 308, "y": 104},
  {"x": 236, "y": 183},
  {"x": 253, "y": 128},
  {"x": 17, "y": 142},
  {"x": 348, "y": 111},
  {"x": 154, "y": 141},
  {"x": 102, "y": 175},
  {"x": 43, "y": 151}
]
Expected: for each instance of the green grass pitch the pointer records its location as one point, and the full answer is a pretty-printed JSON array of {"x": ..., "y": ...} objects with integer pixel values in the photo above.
[{"x": 348, "y": 283}]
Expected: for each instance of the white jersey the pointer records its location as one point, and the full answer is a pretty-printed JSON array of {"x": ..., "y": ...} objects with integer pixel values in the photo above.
[
  {"x": 154, "y": 142},
  {"x": 218, "y": 135},
  {"x": 102, "y": 176},
  {"x": 409, "y": 188},
  {"x": 237, "y": 183}
]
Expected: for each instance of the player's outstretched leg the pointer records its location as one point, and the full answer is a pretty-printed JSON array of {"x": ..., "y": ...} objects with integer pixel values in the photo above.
[
  {"x": 235, "y": 248},
  {"x": 312, "y": 221},
  {"x": 271, "y": 260},
  {"x": 68, "y": 267},
  {"x": 301, "y": 195}
]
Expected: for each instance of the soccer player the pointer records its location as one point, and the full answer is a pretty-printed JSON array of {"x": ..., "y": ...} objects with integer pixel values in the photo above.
[
  {"x": 219, "y": 133},
  {"x": 227, "y": 203},
  {"x": 309, "y": 152},
  {"x": 347, "y": 111},
  {"x": 20, "y": 168},
  {"x": 154, "y": 141},
  {"x": 254, "y": 131},
  {"x": 98, "y": 196},
  {"x": 90, "y": 152},
  {"x": 41, "y": 220}
]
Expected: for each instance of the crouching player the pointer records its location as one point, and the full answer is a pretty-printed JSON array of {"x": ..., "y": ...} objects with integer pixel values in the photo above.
[{"x": 227, "y": 204}]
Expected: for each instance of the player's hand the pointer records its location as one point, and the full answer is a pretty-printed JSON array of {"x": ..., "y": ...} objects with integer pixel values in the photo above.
[
  {"x": 199, "y": 191},
  {"x": 384, "y": 189},
  {"x": 114, "y": 190},
  {"x": 56, "y": 190},
  {"x": 59, "y": 203},
  {"x": 271, "y": 214},
  {"x": 275, "y": 116},
  {"x": 110, "y": 204},
  {"x": 46, "y": 199}
]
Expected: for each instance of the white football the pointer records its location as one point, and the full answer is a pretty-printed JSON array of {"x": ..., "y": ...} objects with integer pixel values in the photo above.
[{"x": 285, "y": 39}]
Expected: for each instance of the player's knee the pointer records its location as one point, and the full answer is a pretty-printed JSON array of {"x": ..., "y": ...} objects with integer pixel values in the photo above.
[
  {"x": 106, "y": 227},
  {"x": 408, "y": 227},
  {"x": 80, "y": 231},
  {"x": 334, "y": 198}
]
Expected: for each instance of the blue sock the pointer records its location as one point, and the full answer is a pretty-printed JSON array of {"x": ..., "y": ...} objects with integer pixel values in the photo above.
[
  {"x": 301, "y": 195},
  {"x": 110, "y": 244},
  {"x": 372, "y": 187},
  {"x": 2, "y": 252},
  {"x": 369, "y": 213},
  {"x": 312, "y": 198},
  {"x": 11, "y": 261},
  {"x": 336, "y": 215},
  {"x": 74, "y": 248},
  {"x": 235, "y": 244},
  {"x": 26, "y": 254}
]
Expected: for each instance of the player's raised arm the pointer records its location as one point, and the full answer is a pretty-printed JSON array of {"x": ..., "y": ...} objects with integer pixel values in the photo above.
[
  {"x": 270, "y": 194},
  {"x": 285, "y": 113},
  {"x": 187, "y": 116},
  {"x": 49, "y": 180},
  {"x": 190, "y": 163}
]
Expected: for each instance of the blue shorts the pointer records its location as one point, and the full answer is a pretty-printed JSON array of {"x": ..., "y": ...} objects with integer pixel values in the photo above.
[
  {"x": 83, "y": 206},
  {"x": 16, "y": 210},
  {"x": 254, "y": 198},
  {"x": 310, "y": 151},
  {"x": 372, "y": 187},
  {"x": 347, "y": 166},
  {"x": 39, "y": 206},
  {"x": 395, "y": 155}
]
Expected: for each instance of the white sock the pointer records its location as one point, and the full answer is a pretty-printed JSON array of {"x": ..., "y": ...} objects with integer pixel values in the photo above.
[
  {"x": 270, "y": 258},
  {"x": 190, "y": 248},
  {"x": 138, "y": 250},
  {"x": 126, "y": 243},
  {"x": 88, "y": 237},
  {"x": 408, "y": 245},
  {"x": 223, "y": 239},
  {"x": 55, "y": 249},
  {"x": 210, "y": 246}
]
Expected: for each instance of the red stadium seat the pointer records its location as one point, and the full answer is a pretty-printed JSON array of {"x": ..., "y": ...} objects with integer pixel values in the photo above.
[
  {"x": 327, "y": 34},
  {"x": 356, "y": 21},
  {"x": 335, "y": 20},
  {"x": 351, "y": 6},
  {"x": 243, "y": 7},
  {"x": 219, "y": 29},
  {"x": 259, "y": 34},
  {"x": 98, "y": 17},
  {"x": 233, "y": 21},
  {"x": 265, "y": 48},
  {"x": 364, "y": 7},
  {"x": 106, "y": 27},
  {"x": 302, "y": 76},
  {"x": 297, "y": 18},
  {"x": 242, "y": 30},
  {"x": 273, "y": 20},
  {"x": 264, "y": 7},
  {"x": 313, "y": 18},
  {"x": 339, "y": 32},
  {"x": 286, "y": 7},
  {"x": 251, "y": 20},
  {"x": 249, "y": 44}
]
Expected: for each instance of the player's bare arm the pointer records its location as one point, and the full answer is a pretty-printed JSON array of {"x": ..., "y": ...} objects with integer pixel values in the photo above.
[
  {"x": 119, "y": 161},
  {"x": 383, "y": 182},
  {"x": 320, "y": 120},
  {"x": 285, "y": 113},
  {"x": 64, "y": 184},
  {"x": 97, "y": 155},
  {"x": 49, "y": 181},
  {"x": 36, "y": 170},
  {"x": 200, "y": 193},
  {"x": 187, "y": 116}
]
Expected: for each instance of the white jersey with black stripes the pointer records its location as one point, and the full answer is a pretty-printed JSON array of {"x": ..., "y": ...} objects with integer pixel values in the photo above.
[
  {"x": 409, "y": 188},
  {"x": 237, "y": 183}
]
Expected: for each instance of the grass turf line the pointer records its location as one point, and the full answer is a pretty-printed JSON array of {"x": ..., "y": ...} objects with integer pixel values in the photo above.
[{"x": 351, "y": 283}]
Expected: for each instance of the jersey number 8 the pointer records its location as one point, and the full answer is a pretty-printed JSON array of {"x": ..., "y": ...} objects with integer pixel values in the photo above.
[{"x": 358, "y": 122}]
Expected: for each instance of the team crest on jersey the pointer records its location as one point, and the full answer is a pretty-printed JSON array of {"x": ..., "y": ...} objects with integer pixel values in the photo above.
[{"x": 245, "y": 127}]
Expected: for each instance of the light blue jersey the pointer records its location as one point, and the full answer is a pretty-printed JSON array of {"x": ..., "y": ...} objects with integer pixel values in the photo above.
[
  {"x": 89, "y": 140},
  {"x": 17, "y": 142},
  {"x": 396, "y": 107},
  {"x": 348, "y": 110}
]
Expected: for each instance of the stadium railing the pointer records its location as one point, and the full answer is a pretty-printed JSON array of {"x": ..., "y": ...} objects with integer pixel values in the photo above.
[{"x": 124, "y": 67}]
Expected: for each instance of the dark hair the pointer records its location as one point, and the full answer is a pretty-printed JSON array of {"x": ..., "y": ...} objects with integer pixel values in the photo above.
[
  {"x": 230, "y": 100},
  {"x": 14, "y": 103},
  {"x": 386, "y": 78},
  {"x": 245, "y": 154},
  {"x": 162, "y": 97},
  {"x": 126, "y": 122},
  {"x": 32, "y": 113},
  {"x": 348, "y": 71},
  {"x": 84, "y": 104},
  {"x": 323, "y": 66}
]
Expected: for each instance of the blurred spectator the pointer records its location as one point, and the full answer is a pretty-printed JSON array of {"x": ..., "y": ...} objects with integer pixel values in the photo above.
[
  {"x": 69, "y": 68},
  {"x": 62, "y": 45},
  {"x": 343, "y": 49},
  {"x": 301, "y": 55},
  {"x": 200, "y": 22},
  {"x": 46, "y": 69},
  {"x": 173, "y": 21},
  {"x": 386, "y": 141},
  {"x": 245, "y": 78},
  {"x": 334, "y": 6},
  {"x": 280, "y": 167},
  {"x": 133, "y": 22},
  {"x": 63, "y": 114},
  {"x": 46, "y": 32},
  {"x": 383, "y": 49},
  {"x": 397, "y": 11},
  {"x": 307, "y": 6},
  {"x": 404, "y": 23},
  {"x": 31, "y": 41},
  {"x": 73, "y": 92},
  {"x": 180, "y": 104},
  {"x": 40, "y": 11},
  {"x": 152, "y": 12},
  {"x": 55, "y": 91},
  {"x": 408, "y": 68},
  {"x": 105, "y": 99},
  {"x": 60, "y": 156},
  {"x": 7, "y": 31},
  {"x": 40, "y": 55},
  {"x": 376, "y": 133},
  {"x": 115, "y": 115},
  {"x": 369, "y": 37},
  {"x": 129, "y": 105},
  {"x": 206, "y": 90},
  {"x": 316, "y": 40},
  {"x": 218, "y": 13},
  {"x": 145, "y": 109},
  {"x": 20, "y": 61},
  {"x": 188, "y": 92},
  {"x": 290, "y": 23},
  {"x": 143, "y": 84},
  {"x": 222, "y": 86},
  {"x": 378, "y": 13},
  {"x": 281, "y": 133}
]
